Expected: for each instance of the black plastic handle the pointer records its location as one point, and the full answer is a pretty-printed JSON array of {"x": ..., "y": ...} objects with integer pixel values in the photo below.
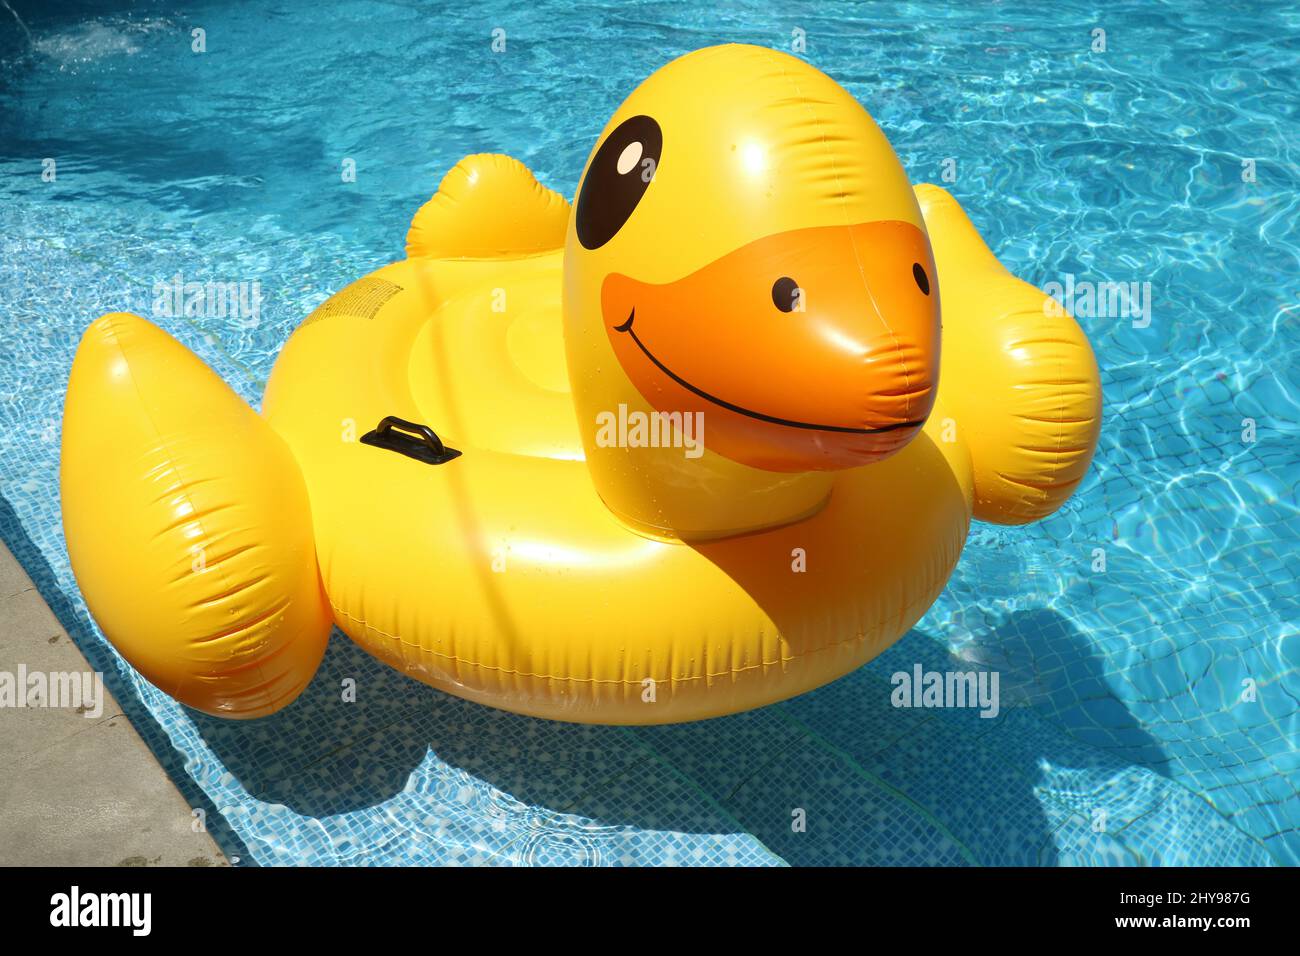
[{"x": 410, "y": 439}]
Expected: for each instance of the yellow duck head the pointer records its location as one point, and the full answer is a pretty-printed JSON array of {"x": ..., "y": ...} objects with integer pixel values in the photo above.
[{"x": 745, "y": 258}]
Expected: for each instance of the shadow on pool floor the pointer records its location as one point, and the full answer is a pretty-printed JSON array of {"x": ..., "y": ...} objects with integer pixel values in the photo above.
[{"x": 875, "y": 784}]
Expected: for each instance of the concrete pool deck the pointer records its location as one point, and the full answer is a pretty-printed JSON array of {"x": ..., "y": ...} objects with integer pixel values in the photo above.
[{"x": 74, "y": 790}]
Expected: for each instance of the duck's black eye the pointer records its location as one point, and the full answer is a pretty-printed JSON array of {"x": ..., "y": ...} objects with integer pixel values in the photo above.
[
  {"x": 922, "y": 280},
  {"x": 618, "y": 177},
  {"x": 786, "y": 294}
]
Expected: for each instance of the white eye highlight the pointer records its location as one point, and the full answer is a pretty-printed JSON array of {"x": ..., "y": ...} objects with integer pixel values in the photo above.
[{"x": 628, "y": 159}]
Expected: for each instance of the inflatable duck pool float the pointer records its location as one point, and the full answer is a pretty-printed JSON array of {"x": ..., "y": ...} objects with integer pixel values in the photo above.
[{"x": 685, "y": 447}]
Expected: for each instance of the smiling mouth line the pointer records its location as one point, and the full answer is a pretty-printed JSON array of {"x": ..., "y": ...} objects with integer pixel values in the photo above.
[{"x": 626, "y": 327}]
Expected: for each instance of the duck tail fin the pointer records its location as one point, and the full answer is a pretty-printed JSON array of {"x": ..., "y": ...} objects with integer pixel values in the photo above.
[
  {"x": 1017, "y": 373},
  {"x": 488, "y": 207},
  {"x": 188, "y": 525}
]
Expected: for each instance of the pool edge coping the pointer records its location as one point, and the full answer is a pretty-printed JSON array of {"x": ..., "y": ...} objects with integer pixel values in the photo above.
[{"x": 77, "y": 790}]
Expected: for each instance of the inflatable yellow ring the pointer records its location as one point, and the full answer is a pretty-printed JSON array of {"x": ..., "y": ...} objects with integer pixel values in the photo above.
[{"x": 763, "y": 486}]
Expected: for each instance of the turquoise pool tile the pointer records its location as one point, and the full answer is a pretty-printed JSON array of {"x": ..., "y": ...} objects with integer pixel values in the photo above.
[{"x": 848, "y": 818}]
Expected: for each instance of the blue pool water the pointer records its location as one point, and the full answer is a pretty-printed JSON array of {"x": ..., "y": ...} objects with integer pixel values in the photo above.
[{"x": 1124, "y": 736}]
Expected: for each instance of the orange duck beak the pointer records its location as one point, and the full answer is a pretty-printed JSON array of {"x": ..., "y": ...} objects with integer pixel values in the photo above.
[{"x": 816, "y": 349}]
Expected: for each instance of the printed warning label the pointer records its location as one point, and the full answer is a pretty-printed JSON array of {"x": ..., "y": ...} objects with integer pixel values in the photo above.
[{"x": 361, "y": 300}]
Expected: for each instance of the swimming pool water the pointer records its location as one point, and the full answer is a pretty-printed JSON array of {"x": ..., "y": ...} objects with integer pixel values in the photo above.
[{"x": 1123, "y": 738}]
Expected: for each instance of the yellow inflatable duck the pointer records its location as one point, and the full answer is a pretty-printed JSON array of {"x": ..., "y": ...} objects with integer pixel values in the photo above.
[{"x": 683, "y": 449}]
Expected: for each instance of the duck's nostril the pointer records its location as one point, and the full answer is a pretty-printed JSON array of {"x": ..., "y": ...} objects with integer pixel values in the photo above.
[
  {"x": 922, "y": 280},
  {"x": 786, "y": 295}
]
